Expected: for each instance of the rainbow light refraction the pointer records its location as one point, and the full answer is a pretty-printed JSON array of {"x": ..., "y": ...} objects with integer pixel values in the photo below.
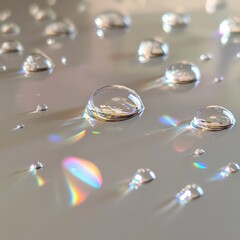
[
  {"x": 40, "y": 181},
  {"x": 200, "y": 165},
  {"x": 167, "y": 120},
  {"x": 77, "y": 137},
  {"x": 77, "y": 196}
]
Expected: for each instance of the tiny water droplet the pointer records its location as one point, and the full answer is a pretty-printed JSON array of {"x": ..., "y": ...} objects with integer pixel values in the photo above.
[
  {"x": 182, "y": 73},
  {"x": 174, "y": 20},
  {"x": 199, "y": 152},
  {"x": 114, "y": 103},
  {"x": 188, "y": 193},
  {"x": 232, "y": 167},
  {"x": 4, "y": 15},
  {"x": 112, "y": 19},
  {"x": 51, "y": 41},
  {"x": 11, "y": 46},
  {"x": 44, "y": 15},
  {"x": 10, "y": 28},
  {"x": 151, "y": 48},
  {"x": 212, "y": 6},
  {"x": 35, "y": 167},
  {"x": 18, "y": 127},
  {"x": 3, "y": 68},
  {"x": 230, "y": 26},
  {"x": 42, "y": 108},
  {"x": 142, "y": 176},
  {"x": 61, "y": 28},
  {"x": 206, "y": 57},
  {"x": 37, "y": 62},
  {"x": 213, "y": 118},
  {"x": 63, "y": 60},
  {"x": 218, "y": 79}
]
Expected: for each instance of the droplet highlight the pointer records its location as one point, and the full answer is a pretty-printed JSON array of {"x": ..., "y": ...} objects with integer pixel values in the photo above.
[
  {"x": 206, "y": 57},
  {"x": 199, "y": 152},
  {"x": 213, "y": 6},
  {"x": 218, "y": 79},
  {"x": 35, "y": 167},
  {"x": 231, "y": 168},
  {"x": 42, "y": 108},
  {"x": 230, "y": 26},
  {"x": 44, "y": 15},
  {"x": 18, "y": 127},
  {"x": 11, "y": 46},
  {"x": 4, "y": 15}
]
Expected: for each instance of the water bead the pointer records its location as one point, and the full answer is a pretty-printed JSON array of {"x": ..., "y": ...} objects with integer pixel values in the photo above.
[
  {"x": 10, "y": 28},
  {"x": 44, "y": 15},
  {"x": 11, "y": 46},
  {"x": 230, "y": 26}
]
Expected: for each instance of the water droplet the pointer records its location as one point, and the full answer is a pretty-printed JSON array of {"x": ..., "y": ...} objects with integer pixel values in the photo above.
[
  {"x": 61, "y": 28},
  {"x": 199, "y": 152},
  {"x": 142, "y": 176},
  {"x": 63, "y": 60},
  {"x": 82, "y": 6},
  {"x": 218, "y": 79},
  {"x": 11, "y": 46},
  {"x": 182, "y": 73},
  {"x": 152, "y": 48},
  {"x": 33, "y": 9},
  {"x": 213, "y": 118},
  {"x": 230, "y": 26},
  {"x": 42, "y": 108},
  {"x": 18, "y": 127},
  {"x": 36, "y": 166},
  {"x": 37, "y": 62},
  {"x": 188, "y": 193},
  {"x": 51, "y": 41},
  {"x": 173, "y": 20},
  {"x": 206, "y": 57},
  {"x": 212, "y": 6},
  {"x": 3, "y": 68},
  {"x": 114, "y": 103},
  {"x": 44, "y": 15},
  {"x": 10, "y": 28},
  {"x": 4, "y": 15},
  {"x": 232, "y": 167},
  {"x": 112, "y": 19}
]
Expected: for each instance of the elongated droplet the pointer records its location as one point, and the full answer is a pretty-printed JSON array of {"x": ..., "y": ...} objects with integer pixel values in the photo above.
[
  {"x": 34, "y": 167},
  {"x": 232, "y": 167},
  {"x": 173, "y": 20},
  {"x": 213, "y": 118},
  {"x": 206, "y": 57},
  {"x": 10, "y": 28},
  {"x": 142, "y": 176},
  {"x": 152, "y": 48},
  {"x": 18, "y": 127},
  {"x": 61, "y": 28},
  {"x": 230, "y": 26},
  {"x": 199, "y": 152},
  {"x": 112, "y": 19},
  {"x": 218, "y": 79},
  {"x": 212, "y": 6},
  {"x": 42, "y": 108},
  {"x": 37, "y": 62},
  {"x": 44, "y": 15},
  {"x": 114, "y": 103},
  {"x": 4, "y": 15},
  {"x": 182, "y": 73},
  {"x": 188, "y": 193},
  {"x": 11, "y": 46}
]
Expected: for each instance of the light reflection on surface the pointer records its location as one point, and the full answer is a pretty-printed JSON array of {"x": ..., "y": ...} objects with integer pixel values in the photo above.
[
  {"x": 170, "y": 121},
  {"x": 77, "y": 137},
  {"x": 40, "y": 181},
  {"x": 82, "y": 177},
  {"x": 200, "y": 165}
]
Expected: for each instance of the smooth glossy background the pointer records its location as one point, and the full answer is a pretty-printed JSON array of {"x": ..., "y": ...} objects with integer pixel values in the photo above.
[{"x": 94, "y": 202}]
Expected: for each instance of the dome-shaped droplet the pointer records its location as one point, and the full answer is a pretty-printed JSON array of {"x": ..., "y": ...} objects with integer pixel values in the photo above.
[
  {"x": 182, "y": 73},
  {"x": 37, "y": 62},
  {"x": 61, "y": 28},
  {"x": 114, "y": 103},
  {"x": 173, "y": 20},
  {"x": 152, "y": 48},
  {"x": 213, "y": 118},
  {"x": 42, "y": 108},
  {"x": 44, "y": 15},
  {"x": 112, "y": 19},
  {"x": 230, "y": 168},
  {"x": 212, "y": 6},
  {"x": 10, "y": 28},
  {"x": 18, "y": 127},
  {"x": 142, "y": 176},
  {"x": 230, "y": 26},
  {"x": 11, "y": 46},
  {"x": 4, "y": 15},
  {"x": 188, "y": 193}
]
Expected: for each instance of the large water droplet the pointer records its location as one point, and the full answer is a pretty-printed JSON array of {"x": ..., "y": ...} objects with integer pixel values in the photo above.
[
  {"x": 230, "y": 26},
  {"x": 4, "y": 15},
  {"x": 212, "y": 6},
  {"x": 112, "y": 19},
  {"x": 142, "y": 176},
  {"x": 37, "y": 62},
  {"x": 61, "y": 28},
  {"x": 188, "y": 193},
  {"x": 44, "y": 15},
  {"x": 42, "y": 108},
  {"x": 173, "y": 20},
  {"x": 152, "y": 48},
  {"x": 114, "y": 103},
  {"x": 213, "y": 118},
  {"x": 11, "y": 46},
  {"x": 10, "y": 28},
  {"x": 35, "y": 167},
  {"x": 182, "y": 73},
  {"x": 232, "y": 167}
]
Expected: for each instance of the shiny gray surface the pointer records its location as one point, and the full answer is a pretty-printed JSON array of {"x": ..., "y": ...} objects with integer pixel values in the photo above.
[{"x": 32, "y": 212}]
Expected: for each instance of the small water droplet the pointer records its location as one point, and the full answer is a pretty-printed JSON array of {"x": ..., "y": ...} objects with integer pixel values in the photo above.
[
  {"x": 230, "y": 26},
  {"x": 218, "y": 79},
  {"x": 114, "y": 103},
  {"x": 152, "y": 48},
  {"x": 33, "y": 9},
  {"x": 44, "y": 15},
  {"x": 9, "y": 28},
  {"x": 35, "y": 167},
  {"x": 4, "y": 15},
  {"x": 232, "y": 167},
  {"x": 18, "y": 127},
  {"x": 188, "y": 193},
  {"x": 51, "y": 41},
  {"x": 199, "y": 152},
  {"x": 213, "y": 118},
  {"x": 61, "y": 28},
  {"x": 142, "y": 176},
  {"x": 173, "y": 20},
  {"x": 11, "y": 46},
  {"x": 82, "y": 6},
  {"x": 63, "y": 60},
  {"x": 37, "y": 62},
  {"x": 182, "y": 73},
  {"x": 42, "y": 108},
  {"x": 206, "y": 57},
  {"x": 3, "y": 68},
  {"x": 112, "y": 19},
  {"x": 212, "y": 6}
]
